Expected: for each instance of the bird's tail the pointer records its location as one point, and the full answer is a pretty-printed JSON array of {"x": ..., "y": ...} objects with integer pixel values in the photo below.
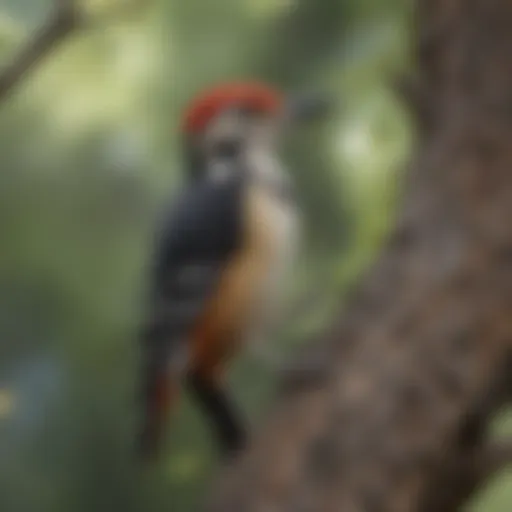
[{"x": 160, "y": 393}]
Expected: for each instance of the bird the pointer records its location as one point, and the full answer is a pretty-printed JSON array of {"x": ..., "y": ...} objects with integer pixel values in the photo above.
[{"x": 223, "y": 250}]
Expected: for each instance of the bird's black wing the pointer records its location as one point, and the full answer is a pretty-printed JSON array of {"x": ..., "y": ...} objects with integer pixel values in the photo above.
[
  {"x": 194, "y": 243},
  {"x": 192, "y": 247}
]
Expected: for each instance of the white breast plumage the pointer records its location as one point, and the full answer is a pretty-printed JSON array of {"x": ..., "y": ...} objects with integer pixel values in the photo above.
[{"x": 275, "y": 228}]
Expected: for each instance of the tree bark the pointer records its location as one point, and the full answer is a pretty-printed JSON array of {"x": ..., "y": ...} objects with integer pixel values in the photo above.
[{"x": 420, "y": 360}]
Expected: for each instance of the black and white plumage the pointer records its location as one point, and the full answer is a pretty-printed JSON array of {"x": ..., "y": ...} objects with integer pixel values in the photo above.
[
  {"x": 220, "y": 262},
  {"x": 230, "y": 237},
  {"x": 195, "y": 239}
]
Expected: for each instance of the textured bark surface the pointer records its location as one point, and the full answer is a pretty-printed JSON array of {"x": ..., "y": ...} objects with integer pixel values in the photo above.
[{"x": 418, "y": 364}]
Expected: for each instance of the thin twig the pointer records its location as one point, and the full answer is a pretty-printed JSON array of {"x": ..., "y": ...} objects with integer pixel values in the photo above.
[{"x": 64, "y": 20}]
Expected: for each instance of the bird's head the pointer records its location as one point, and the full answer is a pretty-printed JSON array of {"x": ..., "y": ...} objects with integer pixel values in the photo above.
[{"x": 227, "y": 121}]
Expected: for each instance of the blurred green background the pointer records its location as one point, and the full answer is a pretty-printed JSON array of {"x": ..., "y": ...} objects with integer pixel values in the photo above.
[{"x": 89, "y": 150}]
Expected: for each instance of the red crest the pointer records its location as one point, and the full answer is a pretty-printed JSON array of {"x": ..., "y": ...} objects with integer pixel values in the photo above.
[{"x": 255, "y": 96}]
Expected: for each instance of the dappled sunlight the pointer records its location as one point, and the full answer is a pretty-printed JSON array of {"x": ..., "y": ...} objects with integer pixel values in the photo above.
[
  {"x": 100, "y": 91},
  {"x": 356, "y": 144},
  {"x": 7, "y": 403}
]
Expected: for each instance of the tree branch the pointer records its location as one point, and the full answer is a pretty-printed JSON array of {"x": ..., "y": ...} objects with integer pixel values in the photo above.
[
  {"x": 495, "y": 457},
  {"x": 64, "y": 20},
  {"x": 463, "y": 474}
]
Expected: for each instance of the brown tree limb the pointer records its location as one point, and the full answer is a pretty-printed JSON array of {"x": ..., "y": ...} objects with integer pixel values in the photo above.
[
  {"x": 461, "y": 476},
  {"x": 420, "y": 361},
  {"x": 493, "y": 458},
  {"x": 64, "y": 20}
]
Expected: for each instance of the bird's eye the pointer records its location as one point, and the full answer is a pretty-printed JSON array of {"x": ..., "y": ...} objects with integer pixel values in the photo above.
[{"x": 228, "y": 148}]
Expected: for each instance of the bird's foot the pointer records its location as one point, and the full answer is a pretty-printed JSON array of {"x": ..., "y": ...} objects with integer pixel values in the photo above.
[{"x": 233, "y": 441}]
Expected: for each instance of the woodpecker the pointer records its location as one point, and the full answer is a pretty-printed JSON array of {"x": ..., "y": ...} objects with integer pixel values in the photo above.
[{"x": 220, "y": 256}]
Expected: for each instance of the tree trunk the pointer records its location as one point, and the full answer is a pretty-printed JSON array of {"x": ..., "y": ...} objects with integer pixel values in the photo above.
[{"x": 418, "y": 365}]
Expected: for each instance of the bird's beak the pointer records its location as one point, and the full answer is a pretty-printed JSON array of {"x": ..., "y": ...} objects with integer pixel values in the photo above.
[{"x": 306, "y": 108}]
